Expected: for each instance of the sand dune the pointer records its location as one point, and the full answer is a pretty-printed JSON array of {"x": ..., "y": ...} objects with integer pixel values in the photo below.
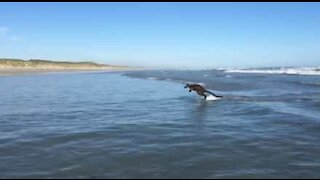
[{"x": 18, "y": 66}]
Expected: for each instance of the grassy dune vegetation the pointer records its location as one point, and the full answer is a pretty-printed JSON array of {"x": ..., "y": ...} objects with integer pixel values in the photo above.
[
  {"x": 19, "y": 66},
  {"x": 38, "y": 63}
]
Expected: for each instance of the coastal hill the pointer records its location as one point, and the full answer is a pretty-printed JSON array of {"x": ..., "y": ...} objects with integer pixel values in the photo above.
[{"x": 39, "y": 64}]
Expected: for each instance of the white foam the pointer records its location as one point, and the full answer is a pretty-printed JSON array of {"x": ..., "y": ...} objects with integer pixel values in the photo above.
[
  {"x": 296, "y": 71},
  {"x": 152, "y": 78},
  {"x": 212, "y": 98}
]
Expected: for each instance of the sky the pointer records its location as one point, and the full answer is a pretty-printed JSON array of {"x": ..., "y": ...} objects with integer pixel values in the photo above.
[{"x": 164, "y": 35}]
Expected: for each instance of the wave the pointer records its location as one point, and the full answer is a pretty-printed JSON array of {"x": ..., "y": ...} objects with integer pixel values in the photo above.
[
  {"x": 287, "y": 70},
  {"x": 153, "y": 78},
  {"x": 163, "y": 79}
]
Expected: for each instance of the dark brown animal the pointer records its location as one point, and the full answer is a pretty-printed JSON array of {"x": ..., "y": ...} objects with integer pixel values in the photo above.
[{"x": 199, "y": 89}]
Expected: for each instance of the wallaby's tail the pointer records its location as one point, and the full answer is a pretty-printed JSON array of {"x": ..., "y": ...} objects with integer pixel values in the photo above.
[{"x": 213, "y": 94}]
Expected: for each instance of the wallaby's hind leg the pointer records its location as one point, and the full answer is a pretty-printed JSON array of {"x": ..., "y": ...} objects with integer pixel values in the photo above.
[{"x": 202, "y": 94}]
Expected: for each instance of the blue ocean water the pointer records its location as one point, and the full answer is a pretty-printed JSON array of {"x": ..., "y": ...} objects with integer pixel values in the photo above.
[{"x": 144, "y": 124}]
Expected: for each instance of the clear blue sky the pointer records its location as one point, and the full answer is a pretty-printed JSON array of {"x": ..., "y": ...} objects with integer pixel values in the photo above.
[{"x": 175, "y": 35}]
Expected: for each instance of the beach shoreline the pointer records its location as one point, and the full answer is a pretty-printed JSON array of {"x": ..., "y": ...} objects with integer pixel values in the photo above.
[
  {"x": 10, "y": 67},
  {"x": 27, "y": 71}
]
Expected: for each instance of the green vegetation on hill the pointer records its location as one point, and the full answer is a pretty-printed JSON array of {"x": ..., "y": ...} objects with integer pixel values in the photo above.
[{"x": 41, "y": 63}]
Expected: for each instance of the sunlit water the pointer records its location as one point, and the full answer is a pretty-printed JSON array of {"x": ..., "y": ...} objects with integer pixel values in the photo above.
[{"x": 146, "y": 125}]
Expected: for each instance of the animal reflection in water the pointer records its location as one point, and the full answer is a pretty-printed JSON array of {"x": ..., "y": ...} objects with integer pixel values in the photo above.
[{"x": 200, "y": 90}]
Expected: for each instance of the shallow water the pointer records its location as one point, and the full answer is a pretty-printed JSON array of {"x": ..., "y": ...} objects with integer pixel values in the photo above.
[{"x": 146, "y": 125}]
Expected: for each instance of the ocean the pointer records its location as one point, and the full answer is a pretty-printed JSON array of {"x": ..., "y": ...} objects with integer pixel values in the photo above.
[{"x": 145, "y": 124}]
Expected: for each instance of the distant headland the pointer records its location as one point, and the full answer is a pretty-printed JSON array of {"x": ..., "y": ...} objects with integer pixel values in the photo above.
[{"x": 19, "y": 66}]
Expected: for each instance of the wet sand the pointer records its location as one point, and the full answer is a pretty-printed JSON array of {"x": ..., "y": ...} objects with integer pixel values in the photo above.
[{"x": 22, "y": 71}]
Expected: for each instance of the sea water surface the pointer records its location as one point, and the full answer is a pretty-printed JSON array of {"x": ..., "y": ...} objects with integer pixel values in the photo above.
[{"x": 146, "y": 125}]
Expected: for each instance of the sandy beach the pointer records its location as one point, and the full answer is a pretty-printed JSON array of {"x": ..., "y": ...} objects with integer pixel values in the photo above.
[
  {"x": 13, "y": 67},
  {"x": 21, "y": 71}
]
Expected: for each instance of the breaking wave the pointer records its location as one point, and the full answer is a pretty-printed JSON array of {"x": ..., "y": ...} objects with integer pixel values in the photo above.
[{"x": 284, "y": 70}]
